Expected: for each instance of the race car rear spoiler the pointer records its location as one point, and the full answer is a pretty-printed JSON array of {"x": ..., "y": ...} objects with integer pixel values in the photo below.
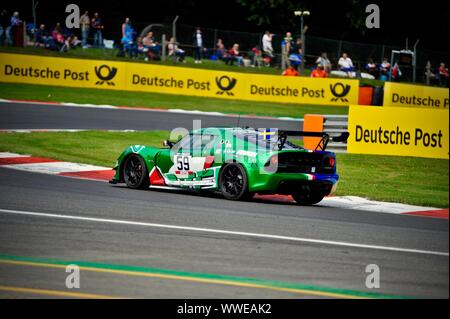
[{"x": 321, "y": 146}]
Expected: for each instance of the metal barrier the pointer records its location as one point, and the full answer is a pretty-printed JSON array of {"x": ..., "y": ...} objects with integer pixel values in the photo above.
[{"x": 336, "y": 124}]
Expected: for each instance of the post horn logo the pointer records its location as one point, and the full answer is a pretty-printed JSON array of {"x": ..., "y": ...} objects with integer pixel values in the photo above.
[
  {"x": 339, "y": 91},
  {"x": 225, "y": 84},
  {"x": 111, "y": 74}
]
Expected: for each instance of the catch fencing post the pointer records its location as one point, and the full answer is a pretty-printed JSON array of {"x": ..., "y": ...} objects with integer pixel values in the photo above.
[{"x": 163, "y": 49}]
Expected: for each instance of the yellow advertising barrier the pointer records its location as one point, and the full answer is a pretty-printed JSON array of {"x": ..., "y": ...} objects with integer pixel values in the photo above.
[
  {"x": 398, "y": 131},
  {"x": 403, "y": 95},
  {"x": 18, "y": 68}
]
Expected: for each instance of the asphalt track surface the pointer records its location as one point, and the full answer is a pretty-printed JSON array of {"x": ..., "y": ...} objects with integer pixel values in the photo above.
[
  {"x": 114, "y": 225},
  {"x": 343, "y": 267},
  {"x": 35, "y": 116}
]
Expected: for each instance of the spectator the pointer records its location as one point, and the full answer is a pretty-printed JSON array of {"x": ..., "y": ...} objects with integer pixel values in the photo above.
[
  {"x": 43, "y": 37},
  {"x": 290, "y": 71},
  {"x": 234, "y": 55},
  {"x": 126, "y": 25},
  {"x": 152, "y": 47},
  {"x": 220, "y": 49},
  {"x": 396, "y": 72},
  {"x": 70, "y": 42},
  {"x": 443, "y": 75},
  {"x": 13, "y": 30},
  {"x": 198, "y": 45},
  {"x": 346, "y": 64},
  {"x": 97, "y": 25},
  {"x": 287, "y": 45},
  {"x": 85, "y": 23},
  {"x": 173, "y": 50},
  {"x": 324, "y": 61},
  {"x": 58, "y": 37},
  {"x": 371, "y": 68},
  {"x": 128, "y": 40},
  {"x": 319, "y": 72},
  {"x": 255, "y": 56},
  {"x": 267, "y": 44},
  {"x": 296, "y": 57},
  {"x": 385, "y": 68},
  {"x": 4, "y": 24}
]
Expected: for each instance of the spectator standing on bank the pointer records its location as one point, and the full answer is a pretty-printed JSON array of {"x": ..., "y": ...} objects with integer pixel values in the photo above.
[
  {"x": 267, "y": 43},
  {"x": 324, "y": 61},
  {"x": 4, "y": 24},
  {"x": 97, "y": 26},
  {"x": 287, "y": 46},
  {"x": 346, "y": 64},
  {"x": 15, "y": 23},
  {"x": 128, "y": 39},
  {"x": 85, "y": 23},
  {"x": 198, "y": 45}
]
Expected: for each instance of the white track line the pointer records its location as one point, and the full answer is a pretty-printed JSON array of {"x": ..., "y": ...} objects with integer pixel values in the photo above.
[{"x": 227, "y": 232}]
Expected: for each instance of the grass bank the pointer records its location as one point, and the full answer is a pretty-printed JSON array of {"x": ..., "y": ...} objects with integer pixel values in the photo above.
[{"x": 410, "y": 180}]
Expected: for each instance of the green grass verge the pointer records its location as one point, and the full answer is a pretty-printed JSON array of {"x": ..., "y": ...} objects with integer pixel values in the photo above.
[
  {"x": 418, "y": 181},
  {"x": 105, "y": 54},
  {"x": 158, "y": 100}
]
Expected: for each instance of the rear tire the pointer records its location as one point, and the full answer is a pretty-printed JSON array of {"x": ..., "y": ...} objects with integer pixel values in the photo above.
[
  {"x": 233, "y": 182},
  {"x": 307, "y": 198},
  {"x": 135, "y": 173}
]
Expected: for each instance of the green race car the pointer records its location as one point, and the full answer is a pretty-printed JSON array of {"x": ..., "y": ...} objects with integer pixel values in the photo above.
[{"x": 238, "y": 162}]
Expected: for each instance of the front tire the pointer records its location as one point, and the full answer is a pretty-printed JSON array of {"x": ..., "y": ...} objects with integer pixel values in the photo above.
[
  {"x": 233, "y": 182},
  {"x": 135, "y": 173},
  {"x": 307, "y": 198}
]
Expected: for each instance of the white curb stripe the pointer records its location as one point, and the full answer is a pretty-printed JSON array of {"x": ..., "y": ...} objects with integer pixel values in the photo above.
[
  {"x": 10, "y": 155},
  {"x": 359, "y": 203},
  {"x": 55, "y": 167}
]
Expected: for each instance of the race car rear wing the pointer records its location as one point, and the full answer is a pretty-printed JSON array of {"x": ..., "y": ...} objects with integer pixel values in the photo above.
[{"x": 321, "y": 146}]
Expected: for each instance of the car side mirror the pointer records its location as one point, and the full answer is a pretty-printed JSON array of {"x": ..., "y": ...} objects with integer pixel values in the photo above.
[{"x": 168, "y": 143}]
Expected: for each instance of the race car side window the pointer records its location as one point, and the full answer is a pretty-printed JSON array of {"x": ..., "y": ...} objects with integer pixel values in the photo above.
[{"x": 197, "y": 142}]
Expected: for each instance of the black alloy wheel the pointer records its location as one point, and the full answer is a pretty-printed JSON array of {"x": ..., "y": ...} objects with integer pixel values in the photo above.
[{"x": 135, "y": 173}]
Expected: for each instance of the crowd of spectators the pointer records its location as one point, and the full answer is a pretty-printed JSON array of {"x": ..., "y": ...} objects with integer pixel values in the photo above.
[{"x": 146, "y": 47}]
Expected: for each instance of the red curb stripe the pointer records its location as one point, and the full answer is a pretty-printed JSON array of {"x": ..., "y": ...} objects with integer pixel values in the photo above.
[
  {"x": 103, "y": 175},
  {"x": 35, "y": 101},
  {"x": 275, "y": 198},
  {"x": 438, "y": 213},
  {"x": 25, "y": 160}
]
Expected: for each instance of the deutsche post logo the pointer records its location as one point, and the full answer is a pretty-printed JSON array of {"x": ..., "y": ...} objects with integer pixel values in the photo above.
[
  {"x": 339, "y": 91},
  {"x": 111, "y": 73},
  {"x": 225, "y": 84}
]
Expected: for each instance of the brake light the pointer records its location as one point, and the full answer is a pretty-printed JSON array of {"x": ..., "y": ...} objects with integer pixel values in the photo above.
[
  {"x": 209, "y": 161},
  {"x": 331, "y": 161}
]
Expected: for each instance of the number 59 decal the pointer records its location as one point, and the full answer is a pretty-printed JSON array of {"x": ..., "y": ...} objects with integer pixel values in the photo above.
[{"x": 182, "y": 162}]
